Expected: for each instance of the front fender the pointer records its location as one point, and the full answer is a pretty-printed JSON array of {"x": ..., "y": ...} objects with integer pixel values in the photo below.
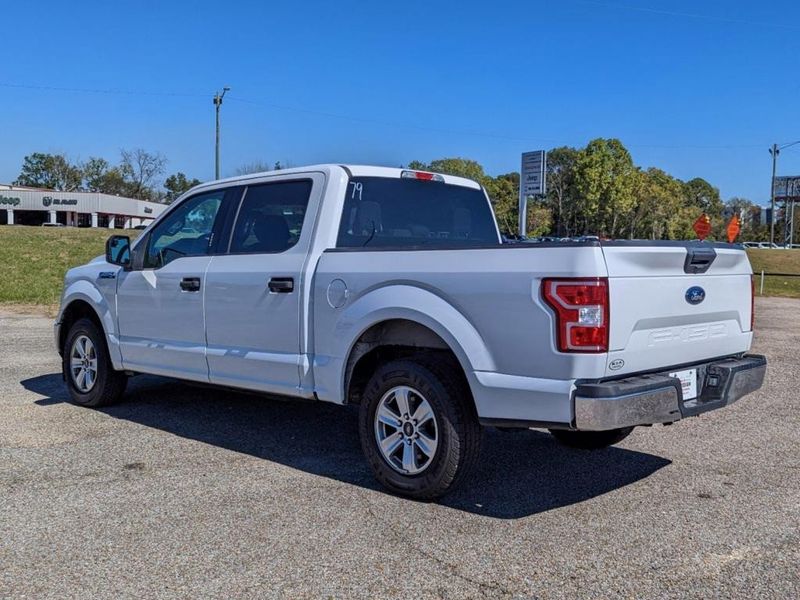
[{"x": 86, "y": 291}]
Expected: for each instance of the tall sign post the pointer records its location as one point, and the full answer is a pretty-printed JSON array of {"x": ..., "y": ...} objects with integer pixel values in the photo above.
[
  {"x": 774, "y": 151},
  {"x": 532, "y": 183},
  {"x": 786, "y": 190}
]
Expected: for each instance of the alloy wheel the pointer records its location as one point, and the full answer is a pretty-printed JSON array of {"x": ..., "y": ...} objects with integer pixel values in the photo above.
[{"x": 406, "y": 430}]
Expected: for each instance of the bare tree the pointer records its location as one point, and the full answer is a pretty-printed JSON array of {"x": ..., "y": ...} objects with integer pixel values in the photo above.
[
  {"x": 259, "y": 166},
  {"x": 140, "y": 170}
]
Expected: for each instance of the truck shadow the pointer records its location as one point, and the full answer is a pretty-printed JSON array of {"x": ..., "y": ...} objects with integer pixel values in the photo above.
[{"x": 519, "y": 474}]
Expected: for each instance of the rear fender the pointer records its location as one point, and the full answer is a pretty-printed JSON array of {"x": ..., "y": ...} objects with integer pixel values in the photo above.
[{"x": 412, "y": 304}]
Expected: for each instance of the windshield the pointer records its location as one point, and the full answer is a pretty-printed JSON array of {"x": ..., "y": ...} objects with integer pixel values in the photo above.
[{"x": 381, "y": 212}]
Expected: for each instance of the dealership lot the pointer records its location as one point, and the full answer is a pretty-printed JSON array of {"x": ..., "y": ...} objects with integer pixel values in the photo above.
[{"x": 187, "y": 492}]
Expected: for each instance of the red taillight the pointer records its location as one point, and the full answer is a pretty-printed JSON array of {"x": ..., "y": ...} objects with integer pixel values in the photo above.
[
  {"x": 752, "y": 302},
  {"x": 581, "y": 307}
]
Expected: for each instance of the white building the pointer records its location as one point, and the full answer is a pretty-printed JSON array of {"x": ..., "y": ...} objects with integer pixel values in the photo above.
[{"x": 30, "y": 206}]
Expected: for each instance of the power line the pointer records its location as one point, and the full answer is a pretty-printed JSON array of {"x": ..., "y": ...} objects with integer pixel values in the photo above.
[
  {"x": 671, "y": 13},
  {"x": 373, "y": 121},
  {"x": 123, "y": 92},
  {"x": 398, "y": 124},
  {"x": 407, "y": 125}
]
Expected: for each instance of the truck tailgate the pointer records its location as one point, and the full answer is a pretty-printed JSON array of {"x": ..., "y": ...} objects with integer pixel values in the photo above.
[{"x": 669, "y": 307}]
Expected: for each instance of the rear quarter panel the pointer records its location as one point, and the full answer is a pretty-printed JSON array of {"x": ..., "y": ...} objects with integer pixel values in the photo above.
[{"x": 485, "y": 303}]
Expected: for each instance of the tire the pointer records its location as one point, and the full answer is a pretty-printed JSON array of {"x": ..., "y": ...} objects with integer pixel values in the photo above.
[
  {"x": 591, "y": 440},
  {"x": 105, "y": 386},
  {"x": 432, "y": 385}
]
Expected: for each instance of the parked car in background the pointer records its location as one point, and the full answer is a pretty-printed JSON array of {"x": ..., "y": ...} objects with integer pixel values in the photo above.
[{"x": 391, "y": 289}]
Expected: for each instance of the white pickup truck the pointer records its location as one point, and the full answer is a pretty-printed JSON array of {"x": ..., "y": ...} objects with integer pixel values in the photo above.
[{"x": 391, "y": 289}]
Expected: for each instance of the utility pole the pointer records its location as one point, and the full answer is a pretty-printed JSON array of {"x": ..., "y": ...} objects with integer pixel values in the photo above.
[
  {"x": 217, "y": 104},
  {"x": 774, "y": 151}
]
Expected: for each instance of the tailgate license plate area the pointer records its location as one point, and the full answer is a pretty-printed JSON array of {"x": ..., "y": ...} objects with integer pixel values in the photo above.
[{"x": 688, "y": 379}]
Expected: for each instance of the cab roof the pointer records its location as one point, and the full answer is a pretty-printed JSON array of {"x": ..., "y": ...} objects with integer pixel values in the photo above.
[{"x": 352, "y": 170}]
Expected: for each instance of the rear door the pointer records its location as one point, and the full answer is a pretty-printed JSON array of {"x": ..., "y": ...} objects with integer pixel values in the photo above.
[
  {"x": 676, "y": 304},
  {"x": 254, "y": 293}
]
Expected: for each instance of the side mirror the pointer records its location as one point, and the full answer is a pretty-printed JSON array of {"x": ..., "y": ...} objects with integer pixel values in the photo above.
[{"x": 118, "y": 251}]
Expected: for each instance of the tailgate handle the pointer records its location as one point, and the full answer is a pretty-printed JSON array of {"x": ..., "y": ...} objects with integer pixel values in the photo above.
[{"x": 698, "y": 260}]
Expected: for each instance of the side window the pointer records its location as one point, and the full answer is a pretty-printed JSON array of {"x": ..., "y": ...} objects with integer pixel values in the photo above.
[
  {"x": 271, "y": 217},
  {"x": 186, "y": 231}
]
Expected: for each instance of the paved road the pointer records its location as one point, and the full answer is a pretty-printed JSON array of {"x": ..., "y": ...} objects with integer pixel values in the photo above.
[{"x": 182, "y": 492}]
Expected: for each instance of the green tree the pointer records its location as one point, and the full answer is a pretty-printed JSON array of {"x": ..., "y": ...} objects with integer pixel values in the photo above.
[
  {"x": 539, "y": 218},
  {"x": 99, "y": 176},
  {"x": 460, "y": 167},
  {"x": 51, "y": 171},
  {"x": 605, "y": 179},
  {"x": 113, "y": 182},
  {"x": 94, "y": 172},
  {"x": 503, "y": 191},
  {"x": 177, "y": 184},
  {"x": 703, "y": 195},
  {"x": 561, "y": 193},
  {"x": 657, "y": 211}
]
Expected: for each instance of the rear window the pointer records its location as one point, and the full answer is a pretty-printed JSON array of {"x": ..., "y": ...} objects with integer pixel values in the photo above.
[{"x": 381, "y": 212}]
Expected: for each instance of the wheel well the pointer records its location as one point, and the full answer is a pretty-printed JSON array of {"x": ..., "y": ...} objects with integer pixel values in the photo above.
[
  {"x": 76, "y": 310},
  {"x": 391, "y": 340}
]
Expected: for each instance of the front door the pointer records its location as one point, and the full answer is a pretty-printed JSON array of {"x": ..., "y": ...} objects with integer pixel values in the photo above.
[
  {"x": 254, "y": 296},
  {"x": 160, "y": 301}
]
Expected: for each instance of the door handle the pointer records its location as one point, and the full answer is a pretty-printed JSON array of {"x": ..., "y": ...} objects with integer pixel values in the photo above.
[
  {"x": 281, "y": 285},
  {"x": 190, "y": 284}
]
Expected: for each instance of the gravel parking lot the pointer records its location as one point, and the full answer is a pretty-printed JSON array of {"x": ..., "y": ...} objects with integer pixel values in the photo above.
[{"x": 186, "y": 492}]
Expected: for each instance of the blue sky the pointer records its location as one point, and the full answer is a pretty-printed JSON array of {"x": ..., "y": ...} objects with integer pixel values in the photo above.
[{"x": 697, "y": 88}]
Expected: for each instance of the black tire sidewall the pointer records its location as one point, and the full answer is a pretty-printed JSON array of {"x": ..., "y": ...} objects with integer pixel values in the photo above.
[
  {"x": 97, "y": 395},
  {"x": 438, "y": 476}
]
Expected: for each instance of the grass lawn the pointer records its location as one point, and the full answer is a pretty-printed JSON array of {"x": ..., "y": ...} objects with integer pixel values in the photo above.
[
  {"x": 33, "y": 260},
  {"x": 776, "y": 261}
]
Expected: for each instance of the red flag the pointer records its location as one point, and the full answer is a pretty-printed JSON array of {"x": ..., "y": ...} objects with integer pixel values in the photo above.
[
  {"x": 734, "y": 227},
  {"x": 702, "y": 227}
]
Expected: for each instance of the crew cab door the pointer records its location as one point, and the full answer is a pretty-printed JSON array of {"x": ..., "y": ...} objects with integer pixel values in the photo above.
[
  {"x": 160, "y": 301},
  {"x": 255, "y": 295}
]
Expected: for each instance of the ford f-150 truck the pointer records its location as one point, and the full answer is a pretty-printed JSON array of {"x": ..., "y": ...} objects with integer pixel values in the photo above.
[{"x": 391, "y": 289}]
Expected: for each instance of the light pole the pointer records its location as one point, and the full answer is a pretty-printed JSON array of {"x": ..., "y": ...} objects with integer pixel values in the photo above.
[
  {"x": 217, "y": 103},
  {"x": 774, "y": 151}
]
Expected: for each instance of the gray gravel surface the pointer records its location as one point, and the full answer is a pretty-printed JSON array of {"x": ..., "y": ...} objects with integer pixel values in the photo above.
[{"x": 185, "y": 492}]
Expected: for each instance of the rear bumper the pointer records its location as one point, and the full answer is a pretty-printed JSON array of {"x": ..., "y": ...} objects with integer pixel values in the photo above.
[{"x": 657, "y": 398}]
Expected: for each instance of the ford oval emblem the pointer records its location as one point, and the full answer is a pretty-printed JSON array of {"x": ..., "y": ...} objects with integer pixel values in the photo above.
[{"x": 695, "y": 295}]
